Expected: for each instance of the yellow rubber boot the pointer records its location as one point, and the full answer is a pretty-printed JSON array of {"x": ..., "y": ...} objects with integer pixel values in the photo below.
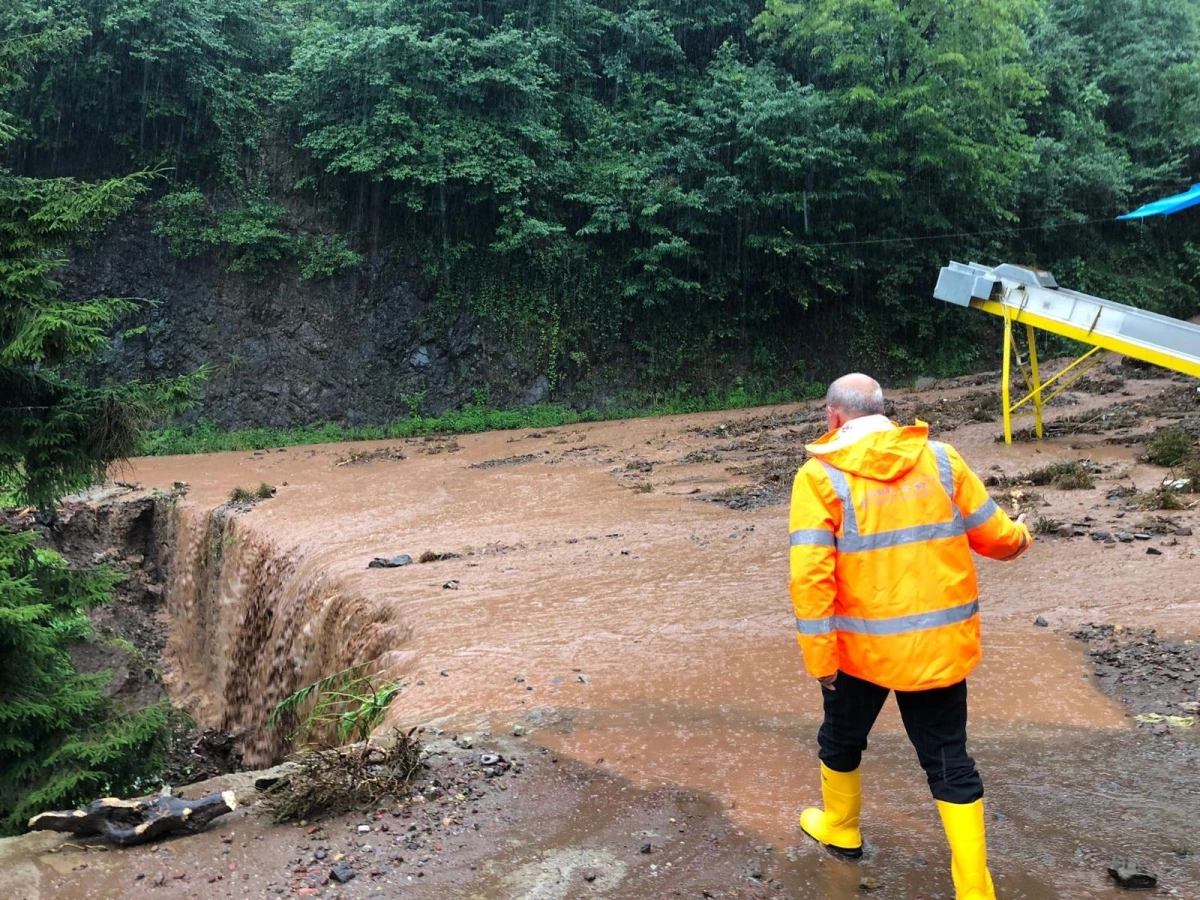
[
  {"x": 836, "y": 826},
  {"x": 968, "y": 850}
]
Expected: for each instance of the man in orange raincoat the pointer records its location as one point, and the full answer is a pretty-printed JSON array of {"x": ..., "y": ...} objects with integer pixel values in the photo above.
[{"x": 883, "y": 523}]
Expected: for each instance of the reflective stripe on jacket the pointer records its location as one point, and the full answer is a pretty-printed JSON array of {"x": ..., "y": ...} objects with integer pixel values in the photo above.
[{"x": 882, "y": 578}]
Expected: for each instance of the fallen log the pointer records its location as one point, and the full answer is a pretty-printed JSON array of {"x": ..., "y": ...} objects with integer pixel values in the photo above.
[{"x": 129, "y": 822}]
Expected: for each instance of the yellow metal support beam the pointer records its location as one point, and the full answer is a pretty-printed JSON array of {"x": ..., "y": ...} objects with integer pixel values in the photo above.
[
  {"x": 1005, "y": 378},
  {"x": 1086, "y": 336},
  {"x": 1036, "y": 379}
]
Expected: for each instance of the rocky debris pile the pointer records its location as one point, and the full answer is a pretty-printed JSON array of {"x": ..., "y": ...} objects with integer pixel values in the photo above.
[
  {"x": 948, "y": 413},
  {"x": 771, "y": 481},
  {"x": 401, "y": 842},
  {"x": 508, "y": 461},
  {"x": 1157, "y": 679},
  {"x": 1179, "y": 403},
  {"x": 365, "y": 457}
]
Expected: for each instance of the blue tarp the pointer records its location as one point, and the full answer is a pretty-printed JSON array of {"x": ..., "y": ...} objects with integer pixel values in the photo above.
[{"x": 1166, "y": 205}]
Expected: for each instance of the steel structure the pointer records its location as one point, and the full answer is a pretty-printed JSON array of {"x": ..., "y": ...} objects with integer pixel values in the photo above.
[{"x": 1023, "y": 296}]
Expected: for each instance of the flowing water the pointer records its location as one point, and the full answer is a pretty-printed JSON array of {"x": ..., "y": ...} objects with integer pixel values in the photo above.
[{"x": 648, "y": 634}]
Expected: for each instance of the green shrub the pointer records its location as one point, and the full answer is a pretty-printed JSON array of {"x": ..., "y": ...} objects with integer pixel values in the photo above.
[
  {"x": 327, "y": 255},
  {"x": 1170, "y": 447}
]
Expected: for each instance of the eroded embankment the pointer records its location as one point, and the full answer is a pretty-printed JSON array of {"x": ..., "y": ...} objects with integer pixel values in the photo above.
[
  {"x": 250, "y": 623},
  {"x": 217, "y": 614}
]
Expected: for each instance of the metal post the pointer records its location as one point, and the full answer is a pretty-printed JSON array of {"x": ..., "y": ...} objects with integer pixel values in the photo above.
[
  {"x": 1005, "y": 373},
  {"x": 1037, "y": 380}
]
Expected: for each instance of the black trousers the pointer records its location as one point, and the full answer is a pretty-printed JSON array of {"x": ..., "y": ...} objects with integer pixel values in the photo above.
[{"x": 936, "y": 722}]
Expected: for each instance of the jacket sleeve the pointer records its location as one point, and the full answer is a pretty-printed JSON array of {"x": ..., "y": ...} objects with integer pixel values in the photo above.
[
  {"x": 813, "y": 523},
  {"x": 989, "y": 529}
]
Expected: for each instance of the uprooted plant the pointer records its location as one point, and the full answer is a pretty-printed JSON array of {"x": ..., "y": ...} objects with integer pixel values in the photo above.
[
  {"x": 1067, "y": 476},
  {"x": 338, "y": 779},
  {"x": 327, "y": 775}
]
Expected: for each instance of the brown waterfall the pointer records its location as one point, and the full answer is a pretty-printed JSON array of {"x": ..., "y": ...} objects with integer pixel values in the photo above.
[{"x": 251, "y": 622}]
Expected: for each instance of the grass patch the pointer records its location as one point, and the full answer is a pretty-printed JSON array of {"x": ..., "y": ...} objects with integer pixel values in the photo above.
[
  {"x": 1045, "y": 526},
  {"x": 474, "y": 418},
  {"x": 1169, "y": 447}
]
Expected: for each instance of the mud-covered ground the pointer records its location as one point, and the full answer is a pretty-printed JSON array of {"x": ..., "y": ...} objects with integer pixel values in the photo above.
[{"x": 616, "y": 593}]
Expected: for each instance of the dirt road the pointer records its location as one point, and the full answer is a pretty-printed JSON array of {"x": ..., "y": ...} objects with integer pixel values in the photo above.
[{"x": 616, "y": 593}]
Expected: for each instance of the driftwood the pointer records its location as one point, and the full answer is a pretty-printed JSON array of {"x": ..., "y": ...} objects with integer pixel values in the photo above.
[{"x": 129, "y": 822}]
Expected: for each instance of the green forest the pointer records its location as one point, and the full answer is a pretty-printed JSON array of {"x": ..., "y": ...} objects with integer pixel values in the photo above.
[{"x": 692, "y": 186}]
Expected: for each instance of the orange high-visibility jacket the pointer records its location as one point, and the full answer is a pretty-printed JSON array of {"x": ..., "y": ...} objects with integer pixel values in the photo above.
[{"x": 882, "y": 578}]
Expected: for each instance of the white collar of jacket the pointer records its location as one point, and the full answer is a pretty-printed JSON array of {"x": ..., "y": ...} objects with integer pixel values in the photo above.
[{"x": 856, "y": 429}]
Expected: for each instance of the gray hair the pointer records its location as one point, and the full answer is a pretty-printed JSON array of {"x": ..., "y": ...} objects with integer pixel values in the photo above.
[{"x": 856, "y": 395}]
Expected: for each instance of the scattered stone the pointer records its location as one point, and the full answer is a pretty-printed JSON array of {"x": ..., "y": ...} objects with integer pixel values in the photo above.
[
  {"x": 1143, "y": 670},
  {"x": 518, "y": 731},
  {"x": 1124, "y": 537},
  {"x": 646, "y": 848},
  {"x": 363, "y": 829},
  {"x": 868, "y": 883},
  {"x": 1152, "y": 551},
  {"x": 1101, "y": 536},
  {"x": 1041, "y": 622},
  {"x": 1132, "y": 877},
  {"x": 320, "y": 854},
  {"x": 451, "y": 585},
  {"x": 1141, "y": 535},
  {"x": 395, "y": 562},
  {"x": 1066, "y": 531},
  {"x": 583, "y": 679},
  {"x": 490, "y": 759},
  {"x": 1183, "y": 531},
  {"x": 342, "y": 873},
  {"x": 465, "y": 741}
]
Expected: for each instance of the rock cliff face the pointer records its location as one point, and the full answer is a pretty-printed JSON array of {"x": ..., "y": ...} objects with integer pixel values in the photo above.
[{"x": 359, "y": 348}]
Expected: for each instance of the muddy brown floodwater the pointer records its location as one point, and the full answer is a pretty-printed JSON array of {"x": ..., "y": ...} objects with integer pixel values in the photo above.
[{"x": 618, "y": 592}]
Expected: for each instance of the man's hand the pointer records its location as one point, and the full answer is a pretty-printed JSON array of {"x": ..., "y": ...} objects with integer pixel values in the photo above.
[
  {"x": 827, "y": 682},
  {"x": 1021, "y": 519}
]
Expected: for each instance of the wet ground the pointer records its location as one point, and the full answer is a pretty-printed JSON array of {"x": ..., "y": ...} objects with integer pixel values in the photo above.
[{"x": 617, "y": 592}]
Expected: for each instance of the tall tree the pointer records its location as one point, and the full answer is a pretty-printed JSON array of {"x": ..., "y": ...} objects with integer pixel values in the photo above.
[{"x": 61, "y": 741}]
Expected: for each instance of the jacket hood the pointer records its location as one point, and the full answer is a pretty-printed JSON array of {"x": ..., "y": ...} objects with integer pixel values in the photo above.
[{"x": 879, "y": 455}]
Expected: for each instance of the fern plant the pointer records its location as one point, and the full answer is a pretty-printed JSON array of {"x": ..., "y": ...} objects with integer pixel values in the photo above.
[{"x": 349, "y": 704}]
